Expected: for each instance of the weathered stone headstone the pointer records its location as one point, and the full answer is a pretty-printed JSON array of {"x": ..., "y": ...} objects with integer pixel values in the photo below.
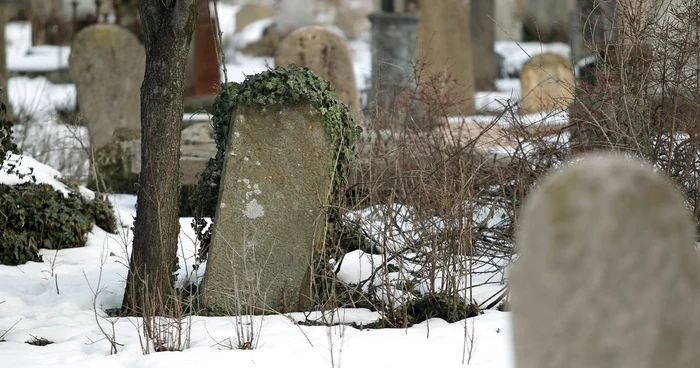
[
  {"x": 609, "y": 274},
  {"x": 108, "y": 64},
  {"x": 483, "y": 33},
  {"x": 249, "y": 13},
  {"x": 509, "y": 26},
  {"x": 326, "y": 54},
  {"x": 444, "y": 50},
  {"x": 547, "y": 83},
  {"x": 278, "y": 178},
  {"x": 393, "y": 58}
]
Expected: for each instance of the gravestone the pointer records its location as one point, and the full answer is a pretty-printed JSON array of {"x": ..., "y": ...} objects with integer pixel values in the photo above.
[
  {"x": 609, "y": 274},
  {"x": 326, "y": 54},
  {"x": 393, "y": 45},
  {"x": 250, "y": 13},
  {"x": 280, "y": 174},
  {"x": 509, "y": 26},
  {"x": 108, "y": 63},
  {"x": 444, "y": 51},
  {"x": 547, "y": 82},
  {"x": 196, "y": 148},
  {"x": 483, "y": 33}
]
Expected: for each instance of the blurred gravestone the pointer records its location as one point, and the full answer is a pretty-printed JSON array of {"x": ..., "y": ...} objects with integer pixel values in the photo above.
[
  {"x": 509, "y": 26},
  {"x": 250, "y": 13},
  {"x": 444, "y": 51},
  {"x": 276, "y": 185},
  {"x": 393, "y": 48},
  {"x": 108, "y": 64},
  {"x": 326, "y": 54},
  {"x": 609, "y": 275},
  {"x": 483, "y": 33},
  {"x": 547, "y": 83}
]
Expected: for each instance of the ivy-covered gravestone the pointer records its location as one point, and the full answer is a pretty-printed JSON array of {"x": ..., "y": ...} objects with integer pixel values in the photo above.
[
  {"x": 609, "y": 275},
  {"x": 284, "y": 143}
]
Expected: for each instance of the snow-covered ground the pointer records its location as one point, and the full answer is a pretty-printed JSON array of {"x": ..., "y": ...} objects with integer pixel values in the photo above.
[{"x": 63, "y": 300}]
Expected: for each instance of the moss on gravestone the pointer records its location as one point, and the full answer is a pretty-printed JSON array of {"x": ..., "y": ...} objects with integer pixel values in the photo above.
[{"x": 284, "y": 85}]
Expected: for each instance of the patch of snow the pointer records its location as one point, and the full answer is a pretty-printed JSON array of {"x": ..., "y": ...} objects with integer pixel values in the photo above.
[{"x": 251, "y": 33}]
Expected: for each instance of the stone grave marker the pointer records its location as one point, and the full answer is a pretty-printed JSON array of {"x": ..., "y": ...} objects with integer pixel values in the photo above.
[
  {"x": 393, "y": 48},
  {"x": 547, "y": 82},
  {"x": 444, "y": 49},
  {"x": 276, "y": 184},
  {"x": 609, "y": 274},
  {"x": 483, "y": 33},
  {"x": 252, "y": 12},
  {"x": 509, "y": 26},
  {"x": 326, "y": 54},
  {"x": 108, "y": 63}
]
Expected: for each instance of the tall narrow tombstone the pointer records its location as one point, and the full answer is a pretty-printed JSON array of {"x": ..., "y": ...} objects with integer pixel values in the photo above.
[
  {"x": 444, "y": 50},
  {"x": 326, "y": 54},
  {"x": 509, "y": 26},
  {"x": 393, "y": 48},
  {"x": 483, "y": 33},
  {"x": 280, "y": 172},
  {"x": 609, "y": 274}
]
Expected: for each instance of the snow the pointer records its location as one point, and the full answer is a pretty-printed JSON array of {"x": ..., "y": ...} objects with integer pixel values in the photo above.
[
  {"x": 54, "y": 300},
  {"x": 23, "y": 57}
]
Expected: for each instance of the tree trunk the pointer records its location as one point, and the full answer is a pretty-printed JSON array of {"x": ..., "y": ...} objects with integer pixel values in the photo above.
[
  {"x": 483, "y": 30},
  {"x": 167, "y": 31}
]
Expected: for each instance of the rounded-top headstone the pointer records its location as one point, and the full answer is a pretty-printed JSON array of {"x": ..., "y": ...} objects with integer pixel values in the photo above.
[
  {"x": 608, "y": 274},
  {"x": 547, "y": 82},
  {"x": 108, "y": 64},
  {"x": 326, "y": 54}
]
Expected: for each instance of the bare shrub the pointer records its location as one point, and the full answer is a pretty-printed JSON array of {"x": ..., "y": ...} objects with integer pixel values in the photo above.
[
  {"x": 430, "y": 216},
  {"x": 645, "y": 101}
]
